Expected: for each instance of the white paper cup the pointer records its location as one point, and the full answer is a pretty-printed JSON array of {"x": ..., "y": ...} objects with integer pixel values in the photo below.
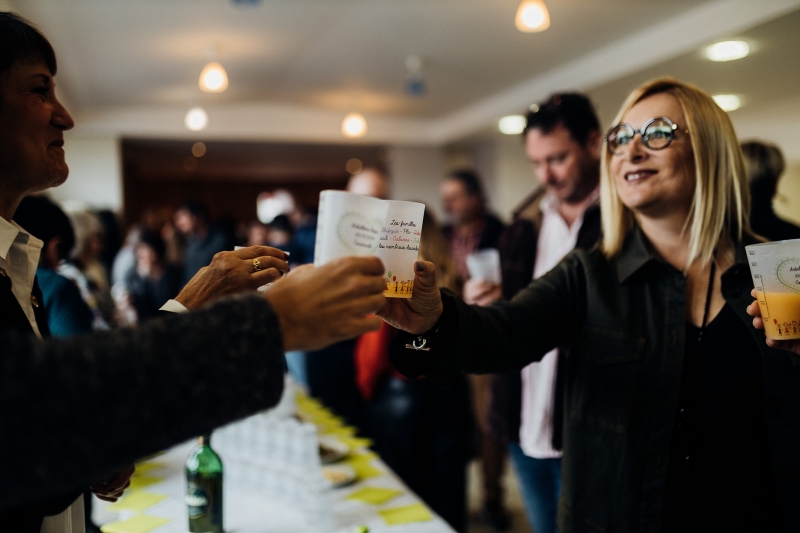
[{"x": 775, "y": 267}]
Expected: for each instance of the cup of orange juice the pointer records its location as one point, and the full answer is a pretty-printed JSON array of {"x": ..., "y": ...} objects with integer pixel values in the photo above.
[{"x": 775, "y": 267}]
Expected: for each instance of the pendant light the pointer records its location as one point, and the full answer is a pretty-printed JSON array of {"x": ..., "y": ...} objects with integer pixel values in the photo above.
[
  {"x": 213, "y": 78},
  {"x": 532, "y": 16}
]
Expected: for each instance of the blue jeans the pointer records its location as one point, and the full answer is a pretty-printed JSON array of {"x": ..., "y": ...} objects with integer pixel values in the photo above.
[{"x": 540, "y": 483}]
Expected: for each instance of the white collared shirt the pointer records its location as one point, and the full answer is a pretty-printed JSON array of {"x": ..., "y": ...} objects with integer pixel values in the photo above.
[
  {"x": 19, "y": 257},
  {"x": 555, "y": 240}
]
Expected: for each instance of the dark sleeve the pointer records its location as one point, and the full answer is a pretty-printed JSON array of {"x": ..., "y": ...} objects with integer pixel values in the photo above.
[
  {"x": 75, "y": 409},
  {"x": 505, "y": 335}
]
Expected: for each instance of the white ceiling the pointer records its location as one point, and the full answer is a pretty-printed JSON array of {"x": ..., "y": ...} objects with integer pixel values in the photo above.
[{"x": 130, "y": 67}]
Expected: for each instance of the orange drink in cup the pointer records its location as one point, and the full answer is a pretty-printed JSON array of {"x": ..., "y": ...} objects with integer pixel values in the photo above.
[{"x": 775, "y": 267}]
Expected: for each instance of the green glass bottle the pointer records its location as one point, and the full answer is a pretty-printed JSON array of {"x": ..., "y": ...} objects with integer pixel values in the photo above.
[{"x": 204, "y": 488}]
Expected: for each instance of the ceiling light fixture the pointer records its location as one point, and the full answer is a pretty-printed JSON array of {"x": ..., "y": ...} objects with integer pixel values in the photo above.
[
  {"x": 728, "y": 102},
  {"x": 532, "y": 16},
  {"x": 196, "y": 119},
  {"x": 512, "y": 124},
  {"x": 213, "y": 78},
  {"x": 727, "y": 51},
  {"x": 354, "y": 125}
]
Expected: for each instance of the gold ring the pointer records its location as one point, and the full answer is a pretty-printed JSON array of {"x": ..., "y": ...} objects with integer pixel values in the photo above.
[{"x": 256, "y": 265}]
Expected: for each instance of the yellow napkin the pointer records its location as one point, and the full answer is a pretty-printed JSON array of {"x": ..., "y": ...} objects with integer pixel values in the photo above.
[
  {"x": 138, "y": 524},
  {"x": 374, "y": 495},
  {"x": 137, "y": 500},
  {"x": 405, "y": 515},
  {"x": 140, "y": 482},
  {"x": 361, "y": 465},
  {"x": 150, "y": 466},
  {"x": 339, "y": 431},
  {"x": 355, "y": 442}
]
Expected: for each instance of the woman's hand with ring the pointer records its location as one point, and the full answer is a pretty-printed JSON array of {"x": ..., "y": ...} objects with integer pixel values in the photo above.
[{"x": 233, "y": 272}]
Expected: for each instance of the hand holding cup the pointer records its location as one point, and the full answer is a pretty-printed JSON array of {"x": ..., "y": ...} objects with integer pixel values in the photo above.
[
  {"x": 755, "y": 311},
  {"x": 419, "y": 313}
]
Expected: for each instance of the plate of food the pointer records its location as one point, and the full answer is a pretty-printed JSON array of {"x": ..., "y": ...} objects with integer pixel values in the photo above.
[
  {"x": 338, "y": 475},
  {"x": 331, "y": 449}
]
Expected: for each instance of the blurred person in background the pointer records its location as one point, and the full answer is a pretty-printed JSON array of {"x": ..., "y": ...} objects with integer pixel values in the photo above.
[
  {"x": 423, "y": 432},
  {"x": 280, "y": 235},
  {"x": 257, "y": 233},
  {"x": 112, "y": 238},
  {"x": 203, "y": 239},
  {"x": 471, "y": 228},
  {"x": 765, "y": 164},
  {"x": 305, "y": 234},
  {"x": 85, "y": 269},
  {"x": 67, "y": 313},
  {"x": 562, "y": 142},
  {"x": 371, "y": 181},
  {"x": 152, "y": 282}
]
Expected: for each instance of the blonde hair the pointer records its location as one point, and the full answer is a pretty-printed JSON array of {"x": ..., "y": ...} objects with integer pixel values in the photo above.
[{"x": 721, "y": 205}]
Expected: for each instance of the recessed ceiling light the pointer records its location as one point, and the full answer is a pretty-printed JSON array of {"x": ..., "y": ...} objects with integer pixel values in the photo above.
[
  {"x": 196, "y": 119},
  {"x": 512, "y": 124},
  {"x": 728, "y": 102},
  {"x": 727, "y": 50},
  {"x": 354, "y": 125}
]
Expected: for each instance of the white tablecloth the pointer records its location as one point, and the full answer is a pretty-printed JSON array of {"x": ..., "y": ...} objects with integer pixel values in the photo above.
[{"x": 248, "y": 511}]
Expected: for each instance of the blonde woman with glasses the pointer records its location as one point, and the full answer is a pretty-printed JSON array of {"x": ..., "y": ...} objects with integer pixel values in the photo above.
[{"x": 679, "y": 417}]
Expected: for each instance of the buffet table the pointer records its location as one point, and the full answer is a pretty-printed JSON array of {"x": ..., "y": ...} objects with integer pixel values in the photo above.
[{"x": 376, "y": 499}]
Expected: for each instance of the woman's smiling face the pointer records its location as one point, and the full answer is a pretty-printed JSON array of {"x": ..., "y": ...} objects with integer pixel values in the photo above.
[
  {"x": 32, "y": 125},
  {"x": 655, "y": 183}
]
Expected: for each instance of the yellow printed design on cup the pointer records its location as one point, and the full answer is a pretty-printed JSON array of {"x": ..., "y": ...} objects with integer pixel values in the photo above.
[
  {"x": 396, "y": 287},
  {"x": 781, "y": 314}
]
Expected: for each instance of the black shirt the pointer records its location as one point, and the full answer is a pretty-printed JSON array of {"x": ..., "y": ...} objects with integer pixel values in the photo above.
[{"x": 719, "y": 473}]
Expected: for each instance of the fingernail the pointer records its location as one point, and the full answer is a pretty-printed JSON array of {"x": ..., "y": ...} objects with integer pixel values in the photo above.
[{"x": 420, "y": 266}]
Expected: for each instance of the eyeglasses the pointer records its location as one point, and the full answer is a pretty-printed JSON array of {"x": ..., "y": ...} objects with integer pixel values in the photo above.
[{"x": 657, "y": 133}]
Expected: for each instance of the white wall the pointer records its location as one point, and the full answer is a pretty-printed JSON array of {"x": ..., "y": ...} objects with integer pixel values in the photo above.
[
  {"x": 416, "y": 173},
  {"x": 95, "y": 173}
]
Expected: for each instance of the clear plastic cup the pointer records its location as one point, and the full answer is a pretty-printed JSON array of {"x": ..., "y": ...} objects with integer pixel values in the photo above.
[{"x": 775, "y": 267}]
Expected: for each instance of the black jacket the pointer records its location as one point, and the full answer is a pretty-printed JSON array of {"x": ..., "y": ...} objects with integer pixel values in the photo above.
[
  {"x": 13, "y": 318},
  {"x": 624, "y": 320}
]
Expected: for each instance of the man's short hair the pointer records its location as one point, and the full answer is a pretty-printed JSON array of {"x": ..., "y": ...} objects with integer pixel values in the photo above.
[
  {"x": 43, "y": 219},
  {"x": 21, "y": 41},
  {"x": 470, "y": 180},
  {"x": 573, "y": 111}
]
